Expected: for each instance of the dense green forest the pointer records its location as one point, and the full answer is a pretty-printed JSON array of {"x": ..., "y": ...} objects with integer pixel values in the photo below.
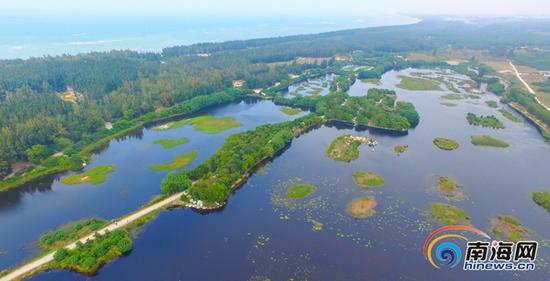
[
  {"x": 61, "y": 103},
  {"x": 90, "y": 256},
  {"x": 213, "y": 180},
  {"x": 528, "y": 101},
  {"x": 377, "y": 109}
]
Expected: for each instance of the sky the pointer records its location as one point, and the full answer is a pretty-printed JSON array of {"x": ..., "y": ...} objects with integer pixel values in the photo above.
[{"x": 280, "y": 7}]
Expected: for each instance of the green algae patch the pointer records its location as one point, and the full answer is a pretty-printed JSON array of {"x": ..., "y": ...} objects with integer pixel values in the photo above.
[
  {"x": 542, "y": 199},
  {"x": 486, "y": 140},
  {"x": 448, "y": 104},
  {"x": 445, "y": 144},
  {"x": 368, "y": 179},
  {"x": 445, "y": 214},
  {"x": 178, "y": 162},
  {"x": 362, "y": 208},
  {"x": 290, "y": 111},
  {"x": 509, "y": 228},
  {"x": 492, "y": 104},
  {"x": 452, "y": 97},
  {"x": 417, "y": 84},
  {"x": 171, "y": 143},
  {"x": 449, "y": 188},
  {"x": 95, "y": 175},
  {"x": 299, "y": 191},
  {"x": 398, "y": 149},
  {"x": 510, "y": 116},
  {"x": 206, "y": 123}
]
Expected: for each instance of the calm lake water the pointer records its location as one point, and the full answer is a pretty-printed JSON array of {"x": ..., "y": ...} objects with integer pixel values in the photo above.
[
  {"x": 40, "y": 207},
  {"x": 260, "y": 235}
]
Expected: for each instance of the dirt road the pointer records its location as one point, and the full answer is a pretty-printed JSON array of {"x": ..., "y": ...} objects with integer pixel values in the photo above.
[{"x": 122, "y": 222}]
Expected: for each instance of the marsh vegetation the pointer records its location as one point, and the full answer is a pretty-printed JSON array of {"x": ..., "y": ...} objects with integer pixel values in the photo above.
[{"x": 95, "y": 175}]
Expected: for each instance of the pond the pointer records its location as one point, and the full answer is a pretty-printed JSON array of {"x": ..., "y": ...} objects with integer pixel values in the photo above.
[
  {"x": 28, "y": 212},
  {"x": 262, "y": 234}
]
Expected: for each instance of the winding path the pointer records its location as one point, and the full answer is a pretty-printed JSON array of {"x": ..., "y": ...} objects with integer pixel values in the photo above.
[
  {"x": 25, "y": 269},
  {"x": 529, "y": 89}
]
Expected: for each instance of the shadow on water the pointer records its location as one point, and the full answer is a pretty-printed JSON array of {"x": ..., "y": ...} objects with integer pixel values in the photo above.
[
  {"x": 341, "y": 125},
  {"x": 12, "y": 197}
]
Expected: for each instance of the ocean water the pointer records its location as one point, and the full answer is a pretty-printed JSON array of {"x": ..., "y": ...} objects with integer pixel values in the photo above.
[{"x": 24, "y": 36}]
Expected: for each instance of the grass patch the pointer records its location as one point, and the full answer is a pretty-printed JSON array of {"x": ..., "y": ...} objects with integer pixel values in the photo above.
[
  {"x": 542, "y": 199},
  {"x": 509, "y": 228},
  {"x": 449, "y": 104},
  {"x": 486, "y": 140},
  {"x": 449, "y": 188},
  {"x": 445, "y": 144},
  {"x": 171, "y": 143},
  {"x": 452, "y": 97},
  {"x": 178, "y": 162},
  {"x": 417, "y": 84},
  {"x": 446, "y": 214},
  {"x": 375, "y": 81},
  {"x": 300, "y": 191},
  {"x": 207, "y": 123},
  {"x": 344, "y": 148},
  {"x": 510, "y": 116},
  {"x": 368, "y": 179},
  {"x": 484, "y": 121},
  {"x": 290, "y": 110},
  {"x": 95, "y": 175},
  {"x": 400, "y": 149},
  {"x": 361, "y": 208},
  {"x": 492, "y": 103},
  {"x": 68, "y": 233}
]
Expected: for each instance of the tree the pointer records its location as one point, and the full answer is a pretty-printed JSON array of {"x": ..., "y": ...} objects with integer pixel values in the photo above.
[
  {"x": 4, "y": 168},
  {"x": 37, "y": 153},
  {"x": 175, "y": 182}
]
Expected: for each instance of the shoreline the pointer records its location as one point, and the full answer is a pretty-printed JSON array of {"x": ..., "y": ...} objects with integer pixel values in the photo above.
[{"x": 91, "y": 148}]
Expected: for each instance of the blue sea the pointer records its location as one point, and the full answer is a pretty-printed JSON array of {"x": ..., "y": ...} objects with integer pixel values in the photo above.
[{"x": 24, "y": 36}]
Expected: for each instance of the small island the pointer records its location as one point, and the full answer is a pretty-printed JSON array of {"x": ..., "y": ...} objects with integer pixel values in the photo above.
[
  {"x": 446, "y": 214},
  {"x": 179, "y": 161},
  {"x": 399, "y": 149},
  {"x": 171, "y": 143},
  {"x": 509, "y": 228},
  {"x": 449, "y": 188},
  {"x": 445, "y": 144},
  {"x": 290, "y": 110},
  {"x": 345, "y": 148},
  {"x": 492, "y": 104},
  {"x": 484, "y": 121},
  {"x": 542, "y": 199},
  {"x": 448, "y": 104},
  {"x": 486, "y": 140},
  {"x": 368, "y": 179},
  {"x": 362, "y": 208},
  {"x": 206, "y": 123},
  {"x": 299, "y": 191},
  {"x": 417, "y": 84},
  {"x": 95, "y": 175},
  {"x": 452, "y": 97}
]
